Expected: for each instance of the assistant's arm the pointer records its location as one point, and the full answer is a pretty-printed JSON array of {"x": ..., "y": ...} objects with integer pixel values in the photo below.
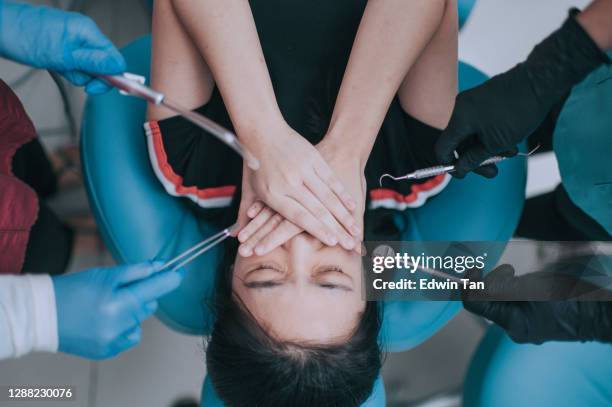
[
  {"x": 28, "y": 319},
  {"x": 597, "y": 21}
]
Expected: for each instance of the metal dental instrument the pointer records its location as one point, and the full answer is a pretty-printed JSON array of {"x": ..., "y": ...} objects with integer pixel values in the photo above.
[
  {"x": 443, "y": 169},
  {"x": 437, "y": 273},
  {"x": 133, "y": 85},
  {"x": 199, "y": 249}
]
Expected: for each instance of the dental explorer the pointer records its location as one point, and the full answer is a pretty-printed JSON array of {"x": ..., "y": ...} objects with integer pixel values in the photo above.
[
  {"x": 133, "y": 85},
  {"x": 443, "y": 169}
]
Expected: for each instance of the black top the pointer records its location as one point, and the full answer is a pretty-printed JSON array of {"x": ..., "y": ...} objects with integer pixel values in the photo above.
[{"x": 306, "y": 46}]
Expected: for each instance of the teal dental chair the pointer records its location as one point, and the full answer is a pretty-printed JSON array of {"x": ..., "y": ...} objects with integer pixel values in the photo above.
[
  {"x": 139, "y": 221},
  {"x": 465, "y": 10}
]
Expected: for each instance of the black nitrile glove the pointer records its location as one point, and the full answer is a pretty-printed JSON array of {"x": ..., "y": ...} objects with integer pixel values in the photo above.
[
  {"x": 549, "y": 318},
  {"x": 491, "y": 119}
]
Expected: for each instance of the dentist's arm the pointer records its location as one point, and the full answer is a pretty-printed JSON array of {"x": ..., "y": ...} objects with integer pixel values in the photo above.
[
  {"x": 95, "y": 314},
  {"x": 494, "y": 117},
  {"x": 68, "y": 43}
]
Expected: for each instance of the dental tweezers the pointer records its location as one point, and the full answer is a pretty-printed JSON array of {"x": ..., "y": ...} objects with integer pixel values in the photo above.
[
  {"x": 196, "y": 251},
  {"x": 133, "y": 85}
]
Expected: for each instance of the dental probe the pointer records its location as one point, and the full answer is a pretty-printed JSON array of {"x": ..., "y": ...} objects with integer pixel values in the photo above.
[
  {"x": 443, "y": 169},
  {"x": 437, "y": 273},
  {"x": 133, "y": 85},
  {"x": 199, "y": 249}
]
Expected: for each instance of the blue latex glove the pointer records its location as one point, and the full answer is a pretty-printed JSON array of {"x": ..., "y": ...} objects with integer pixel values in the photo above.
[
  {"x": 99, "y": 311},
  {"x": 66, "y": 42}
]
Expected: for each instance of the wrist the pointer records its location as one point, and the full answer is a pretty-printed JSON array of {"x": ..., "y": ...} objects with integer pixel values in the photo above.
[
  {"x": 351, "y": 141},
  {"x": 563, "y": 59},
  {"x": 259, "y": 126}
]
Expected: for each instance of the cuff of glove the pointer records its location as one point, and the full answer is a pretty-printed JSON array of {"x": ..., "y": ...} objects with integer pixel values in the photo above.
[
  {"x": 584, "y": 42},
  {"x": 44, "y": 319},
  {"x": 563, "y": 60},
  {"x": 602, "y": 323}
]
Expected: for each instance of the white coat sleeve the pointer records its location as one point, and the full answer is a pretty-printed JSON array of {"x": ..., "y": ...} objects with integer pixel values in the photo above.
[{"x": 28, "y": 316}]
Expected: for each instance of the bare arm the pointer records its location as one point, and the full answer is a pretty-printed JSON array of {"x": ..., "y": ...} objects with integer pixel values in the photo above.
[
  {"x": 225, "y": 34},
  {"x": 597, "y": 21},
  {"x": 293, "y": 178},
  {"x": 391, "y": 37}
]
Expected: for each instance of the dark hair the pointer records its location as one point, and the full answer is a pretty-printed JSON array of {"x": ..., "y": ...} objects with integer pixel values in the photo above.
[{"x": 248, "y": 367}]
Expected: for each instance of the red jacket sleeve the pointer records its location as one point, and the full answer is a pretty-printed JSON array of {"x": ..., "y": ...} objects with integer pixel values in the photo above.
[{"x": 18, "y": 202}]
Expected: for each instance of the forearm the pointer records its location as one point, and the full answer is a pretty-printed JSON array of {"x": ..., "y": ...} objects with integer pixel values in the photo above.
[
  {"x": 597, "y": 21},
  {"x": 225, "y": 34},
  {"x": 28, "y": 320},
  {"x": 391, "y": 36}
]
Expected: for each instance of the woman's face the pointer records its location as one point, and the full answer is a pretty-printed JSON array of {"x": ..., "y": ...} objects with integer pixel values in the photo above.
[{"x": 302, "y": 291}]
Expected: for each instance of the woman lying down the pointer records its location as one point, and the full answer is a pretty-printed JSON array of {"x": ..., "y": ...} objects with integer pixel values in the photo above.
[{"x": 328, "y": 96}]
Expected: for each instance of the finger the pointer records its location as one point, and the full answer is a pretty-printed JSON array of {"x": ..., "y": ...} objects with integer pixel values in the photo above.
[
  {"x": 254, "y": 225},
  {"x": 97, "y": 61},
  {"x": 255, "y": 209},
  {"x": 510, "y": 153},
  {"x": 246, "y": 249},
  {"x": 279, "y": 236},
  {"x": 320, "y": 212},
  {"x": 126, "y": 340},
  {"x": 89, "y": 33},
  {"x": 139, "y": 311},
  {"x": 330, "y": 200},
  {"x": 470, "y": 160},
  {"x": 487, "y": 171},
  {"x": 154, "y": 287},
  {"x": 450, "y": 140},
  {"x": 97, "y": 87},
  {"x": 299, "y": 215},
  {"x": 243, "y": 218},
  {"x": 337, "y": 188},
  {"x": 130, "y": 273},
  {"x": 76, "y": 78}
]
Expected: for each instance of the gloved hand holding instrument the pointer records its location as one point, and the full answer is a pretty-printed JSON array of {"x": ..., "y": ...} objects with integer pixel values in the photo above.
[
  {"x": 491, "y": 119},
  {"x": 554, "y": 304},
  {"x": 99, "y": 311},
  {"x": 68, "y": 43}
]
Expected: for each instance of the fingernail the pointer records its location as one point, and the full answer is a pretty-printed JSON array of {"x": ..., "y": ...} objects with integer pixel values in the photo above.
[
  {"x": 259, "y": 250},
  {"x": 242, "y": 236},
  {"x": 331, "y": 240},
  {"x": 348, "y": 244},
  {"x": 245, "y": 251}
]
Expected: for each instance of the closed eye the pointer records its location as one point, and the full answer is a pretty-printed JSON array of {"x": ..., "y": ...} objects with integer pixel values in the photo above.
[
  {"x": 335, "y": 287},
  {"x": 262, "y": 284},
  {"x": 333, "y": 278}
]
